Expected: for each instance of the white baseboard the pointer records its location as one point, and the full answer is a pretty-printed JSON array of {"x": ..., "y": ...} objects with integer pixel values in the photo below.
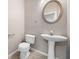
[
  {"x": 11, "y": 54},
  {"x": 43, "y": 53}
]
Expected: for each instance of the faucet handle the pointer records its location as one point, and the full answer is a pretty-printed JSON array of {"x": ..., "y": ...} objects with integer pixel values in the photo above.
[{"x": 51, "y": 32}]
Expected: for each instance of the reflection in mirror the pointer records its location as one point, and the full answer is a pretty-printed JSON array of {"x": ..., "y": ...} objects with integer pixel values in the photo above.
[{"x": 52, "y": 11}]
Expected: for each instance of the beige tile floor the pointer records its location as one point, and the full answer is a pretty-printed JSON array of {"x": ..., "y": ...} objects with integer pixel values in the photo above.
[{"x": 33, "y": 55}]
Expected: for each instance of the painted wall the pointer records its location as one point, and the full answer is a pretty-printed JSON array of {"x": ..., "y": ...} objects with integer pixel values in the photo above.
[
  {"x": 68, "y": 28},
  {"x": 34, "y": 24},
  {"x": 15, "y": 23}
]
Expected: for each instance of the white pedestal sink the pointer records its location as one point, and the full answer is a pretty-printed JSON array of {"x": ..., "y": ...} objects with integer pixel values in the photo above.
[{"x": 51, "y": 43}]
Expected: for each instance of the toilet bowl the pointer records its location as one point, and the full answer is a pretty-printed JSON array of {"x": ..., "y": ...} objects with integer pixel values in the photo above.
[
  {"x": 24, "y": 50},
  {"x": 24, "y": 47}
]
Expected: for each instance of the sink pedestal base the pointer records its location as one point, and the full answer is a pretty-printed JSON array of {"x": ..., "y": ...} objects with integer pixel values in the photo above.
[{"x": 51, "y": 51}]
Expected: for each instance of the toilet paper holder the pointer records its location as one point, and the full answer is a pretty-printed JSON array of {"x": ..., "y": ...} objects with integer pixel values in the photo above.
[{"x": 10, "y": 35}]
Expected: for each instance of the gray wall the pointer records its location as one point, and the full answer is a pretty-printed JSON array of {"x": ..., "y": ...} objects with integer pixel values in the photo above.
[
  {"x": 34, "y": 24},
  {"x": 68, "y": 28},
  {"x": 15, "y": 23}
]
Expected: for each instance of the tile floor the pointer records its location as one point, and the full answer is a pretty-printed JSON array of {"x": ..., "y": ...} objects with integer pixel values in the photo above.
[{"x": 33, "y": 55}]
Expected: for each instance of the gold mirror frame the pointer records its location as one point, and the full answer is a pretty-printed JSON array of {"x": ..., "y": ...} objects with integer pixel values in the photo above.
[{"x": 60, "y": 15}]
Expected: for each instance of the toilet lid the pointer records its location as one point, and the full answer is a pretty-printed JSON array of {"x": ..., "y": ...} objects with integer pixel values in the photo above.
[{"x": 24, "y": 45}]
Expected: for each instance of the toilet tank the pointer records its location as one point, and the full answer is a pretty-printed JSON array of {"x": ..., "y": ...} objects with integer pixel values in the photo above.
[{"x": 30, "y": 38}]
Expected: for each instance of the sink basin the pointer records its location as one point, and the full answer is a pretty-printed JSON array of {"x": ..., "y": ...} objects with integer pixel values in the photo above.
[
  {"x": 56, "y": 38},
  {"x": 51, "y": 43}
]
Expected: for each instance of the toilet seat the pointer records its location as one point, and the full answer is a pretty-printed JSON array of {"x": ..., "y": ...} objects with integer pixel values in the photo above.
[{"x": 24, "y": 47}]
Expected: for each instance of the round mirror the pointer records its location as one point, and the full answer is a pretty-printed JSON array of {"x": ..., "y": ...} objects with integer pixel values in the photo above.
[{"x": 52, "y": 11}]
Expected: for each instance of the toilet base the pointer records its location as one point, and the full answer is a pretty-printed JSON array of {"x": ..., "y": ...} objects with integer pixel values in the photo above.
[
  {"x": 28, "y": 54},
  {"x": 24, "y": 55}
]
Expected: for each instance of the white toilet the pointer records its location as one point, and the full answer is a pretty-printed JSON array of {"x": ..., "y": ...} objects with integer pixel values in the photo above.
[{"x": 25, "y": 46}]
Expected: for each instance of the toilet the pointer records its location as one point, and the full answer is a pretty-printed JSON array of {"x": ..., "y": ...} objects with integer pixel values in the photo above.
[{"x": 24, "y": 47}]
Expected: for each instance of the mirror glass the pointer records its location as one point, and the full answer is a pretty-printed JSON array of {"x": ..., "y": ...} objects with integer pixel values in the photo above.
[{"x": 52, "y": 11}]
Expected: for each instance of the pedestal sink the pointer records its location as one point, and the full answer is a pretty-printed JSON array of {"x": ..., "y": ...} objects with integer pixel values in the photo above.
[{"x": 51, "y": 43}]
